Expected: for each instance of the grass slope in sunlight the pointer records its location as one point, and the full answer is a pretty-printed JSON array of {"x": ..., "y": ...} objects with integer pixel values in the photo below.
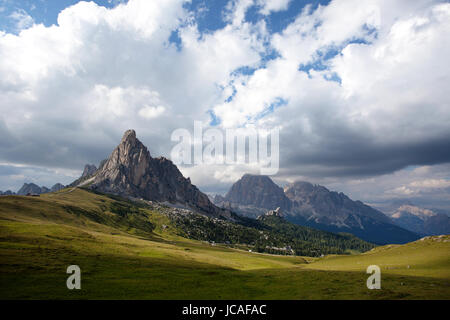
[{"x": 140, "y": 256}]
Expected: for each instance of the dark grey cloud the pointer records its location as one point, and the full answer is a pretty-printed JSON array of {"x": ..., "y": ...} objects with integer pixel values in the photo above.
[
  {"x": 342, "y": 153},
  {"x": 67, "y": 94}
]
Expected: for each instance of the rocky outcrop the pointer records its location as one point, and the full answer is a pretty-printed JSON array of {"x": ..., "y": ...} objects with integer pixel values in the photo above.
[
  {"x": 320, "y": 205},
  {"x": 31, "y": 188},
  {"x": 130, "y": 171},
  {"x": 276, "y": 213},
  {"x": 218, "y": 198},
  {"x": 253, "y": 195},
  {"x": 56, "y": 187},
  {"x": 89, "y": 170}
]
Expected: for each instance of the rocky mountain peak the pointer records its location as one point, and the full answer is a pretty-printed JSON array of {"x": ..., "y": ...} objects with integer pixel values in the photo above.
[
  {"x": 130, "y": 171},
  {"x": 131, "y": 145},
  {"x": 259, "y": 191},
  {"x": 421, "y": 220},
  {"x": 312, "y": 205},
  {"x": 129, "y": 135},
  {"x": 56, "y": 187},
  {"x": 420, "y": 213},
  {"x": 89, "y": 170},
  {"x": 298, "y": 190},
  {"x": 31, "y": 188},
  {"x": 324, "y": 206}
]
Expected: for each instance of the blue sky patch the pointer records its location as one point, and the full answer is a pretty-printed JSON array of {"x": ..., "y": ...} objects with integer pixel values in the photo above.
[{"x": 45, "y": 12}]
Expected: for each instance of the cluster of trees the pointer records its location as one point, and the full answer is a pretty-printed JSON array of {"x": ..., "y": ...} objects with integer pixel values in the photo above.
[
  {"x": 212, "y": 229},
  {"x": 307, "y": 241},
  {"x": 270, "y": 234}
]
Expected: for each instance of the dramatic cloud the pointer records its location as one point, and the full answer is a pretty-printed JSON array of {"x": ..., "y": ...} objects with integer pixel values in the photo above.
[
  {"x": 374, "y": 115},
  {"x": 358, "y": 89}
]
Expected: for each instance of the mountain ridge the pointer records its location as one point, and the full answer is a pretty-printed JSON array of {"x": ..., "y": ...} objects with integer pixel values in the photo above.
[
  {"x": 423, "y": 221},
  {"x": 316, "y": 206},
  {"x": 130, "y": 171}
]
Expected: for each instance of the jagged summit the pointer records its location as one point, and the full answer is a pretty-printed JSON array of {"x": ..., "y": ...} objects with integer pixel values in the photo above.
[
  {"x": 312, "y": 205},
  {"x": 321, "y": 205},
  {"x": 259, "y": 191},
  {"x": 88, "y": 173},
  {"x": 29, "y": 188},
  {"x": 130, "y": 171},
  {"x": 89, "y": 170},
  {"x": 56, "y": 187},
  {"x": 130, "y": 157},
  {"x": 129, "y": 135}
]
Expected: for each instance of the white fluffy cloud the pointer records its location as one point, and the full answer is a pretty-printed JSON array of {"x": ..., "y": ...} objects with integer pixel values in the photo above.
[
  {"x": 101, "y": 71},
  {"x": 390, "y": 107},
  {"x": 268, "y": 6},
  {"x": 358, "y": 88},
  {"x": 426, "y": 186}
]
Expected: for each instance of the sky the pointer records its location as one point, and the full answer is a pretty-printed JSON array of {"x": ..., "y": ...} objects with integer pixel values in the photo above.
[{"x": 363, "y": 87}]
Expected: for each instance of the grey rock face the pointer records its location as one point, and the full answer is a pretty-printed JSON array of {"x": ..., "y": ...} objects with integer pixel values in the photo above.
[
  {"x": 31, "y": 188},
  {"x": 56, "y": 187},
  {"x": 130, "y": 171},
  {"x": 315, "y": 206},
  {"x": 317, "y": 203},
  {"x": 218, "y": 198},
  {"x": 277, "y": 212},
  {"x": 102, "y": 163},
  {"x": 88, "y": 171},
  {"x": 253, "y": 195}
]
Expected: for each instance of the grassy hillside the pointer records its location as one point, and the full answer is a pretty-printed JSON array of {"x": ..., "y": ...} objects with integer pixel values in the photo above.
[
  {"x": 142, "y": 256},
  {"x": 428, "y": 257}
]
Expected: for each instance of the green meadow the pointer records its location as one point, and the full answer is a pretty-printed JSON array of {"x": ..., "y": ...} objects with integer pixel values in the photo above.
[{"x": 140, "y": 256}]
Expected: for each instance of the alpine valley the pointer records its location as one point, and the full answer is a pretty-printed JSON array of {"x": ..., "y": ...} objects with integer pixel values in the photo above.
[{"x": 136, "y": 225}]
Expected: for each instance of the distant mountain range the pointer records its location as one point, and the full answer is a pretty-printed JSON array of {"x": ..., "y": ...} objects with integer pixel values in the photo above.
[
  {"x": 313, "y": 205},
  {"x": 131, "y": 172},
  {"x": 31, "y": 188},
  {"x": 423, "y": 221}
]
